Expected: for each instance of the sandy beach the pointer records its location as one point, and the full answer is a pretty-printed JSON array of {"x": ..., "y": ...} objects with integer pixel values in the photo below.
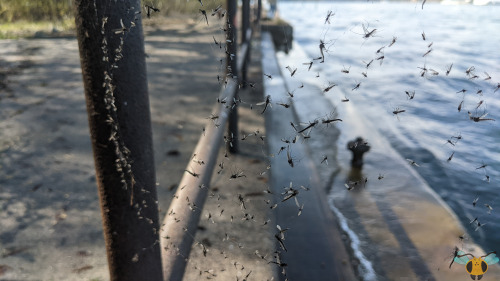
[{"x": 49, "y": 212}]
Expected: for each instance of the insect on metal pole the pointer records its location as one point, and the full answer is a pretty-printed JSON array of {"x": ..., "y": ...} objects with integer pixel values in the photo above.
[
  {"x": 113, "y": 65},
  {"x": 232, "y": 71}
]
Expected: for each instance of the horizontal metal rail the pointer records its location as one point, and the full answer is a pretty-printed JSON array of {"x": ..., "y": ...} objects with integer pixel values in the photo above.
[{"x": 181, "y": 221}]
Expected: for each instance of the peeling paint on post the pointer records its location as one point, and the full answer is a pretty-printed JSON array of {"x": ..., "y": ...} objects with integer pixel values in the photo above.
[{"x": 113, "y": 65}]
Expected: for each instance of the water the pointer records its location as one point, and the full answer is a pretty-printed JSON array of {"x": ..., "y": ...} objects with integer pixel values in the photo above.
[{"x": 461, "y": 35}]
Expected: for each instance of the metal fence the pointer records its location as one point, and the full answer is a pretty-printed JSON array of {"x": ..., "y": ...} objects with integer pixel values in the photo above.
[{"x": 117, "y": 104}]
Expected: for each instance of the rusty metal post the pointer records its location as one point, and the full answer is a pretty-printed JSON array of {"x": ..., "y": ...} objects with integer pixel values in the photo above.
[
  {"x": 232, "y": 70},
  {"x": 113, "y": 65}
]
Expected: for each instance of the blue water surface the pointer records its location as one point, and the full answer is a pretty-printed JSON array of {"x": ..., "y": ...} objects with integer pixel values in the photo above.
[{"x": 463, "y": 35}]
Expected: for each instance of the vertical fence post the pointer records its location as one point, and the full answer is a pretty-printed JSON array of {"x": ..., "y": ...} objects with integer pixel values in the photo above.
[
  {"x": 245, "y": 24},
  {"x": 259, "y": 10},
  {"x": 245, "y": 19},
  {"x": 114, "y": 74},
  {"x": 232, "y": 71}
]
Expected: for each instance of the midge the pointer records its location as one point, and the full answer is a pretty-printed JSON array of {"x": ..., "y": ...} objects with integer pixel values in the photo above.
[
  {"x": 204, "y": 14},
  {"x": 149, "y": 9},
  {"x": 309, "y": 65},
  {"x": 345, "y": 70},
  {"x": 448, "y": 69},
  {"x": 330, "y": 86},
  {"x": 394, "y": 38},
  {"x": 321, "y": 48},
  {"x": 328, "y": 16},
  {"x": 289, "y": 157},
  {"x": 367, "y": 33},
  {"x": 356, "y": 86},
  {"x": 479, "y": 118},
  {"x": 309, "y": 126},
  {"x": 216, "y": 10},
  {"x": 397, "y": 111},
  {"x": 266, "y": 103},
  {"x": 329, "y": 120},
  {"x": 292, "y": 71},
  {"x": 410, "y": 94}
]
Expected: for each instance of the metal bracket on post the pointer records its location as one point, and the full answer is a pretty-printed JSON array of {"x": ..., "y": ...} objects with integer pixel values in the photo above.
[{"x": 232, "y": 71}]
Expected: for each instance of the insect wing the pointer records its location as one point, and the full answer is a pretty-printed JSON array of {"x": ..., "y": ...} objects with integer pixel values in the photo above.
[
  {"x": 491, "y": 259},
  {"x": 461, "y": 258},
  {"x": 365, "y": 30}
]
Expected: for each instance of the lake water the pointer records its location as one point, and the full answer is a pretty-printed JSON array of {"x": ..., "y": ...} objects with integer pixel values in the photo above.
[{"x": 431, "y": 129}]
